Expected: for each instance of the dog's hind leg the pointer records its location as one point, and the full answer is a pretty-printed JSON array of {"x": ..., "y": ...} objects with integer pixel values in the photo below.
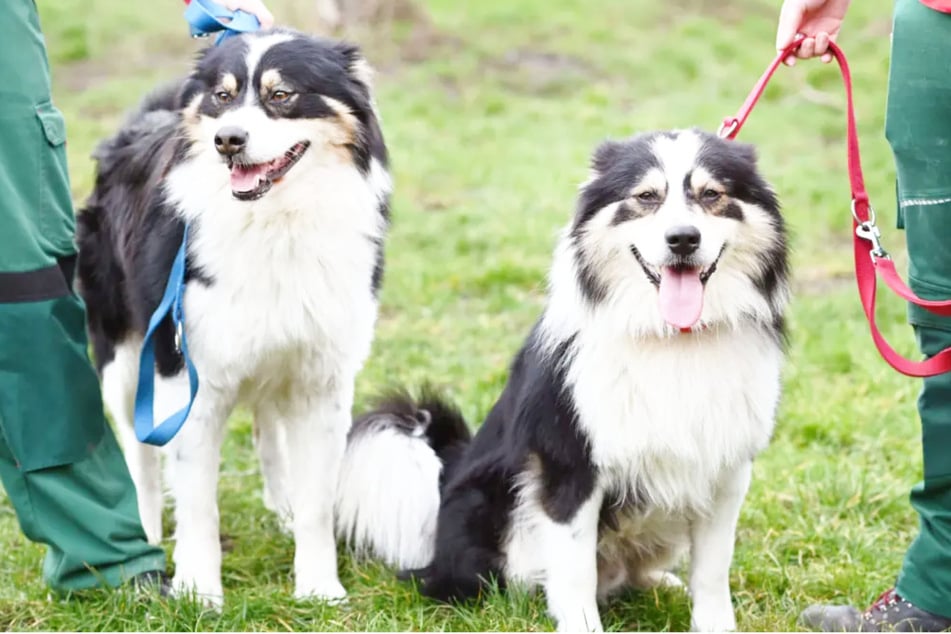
[
  {"x": 571, "y": 567},
  {"x": 118, "y": 392},
  {"x": 192, "y": 462},
  {"x": 316, "y": 427},
  {"x": 712, "y": 540},
  {"x": 270, "y": 442}
]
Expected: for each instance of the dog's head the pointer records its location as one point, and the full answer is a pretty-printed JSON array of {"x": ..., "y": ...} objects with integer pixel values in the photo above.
[
  {"x": 262, "y": 104},
  {"x": 681, "y": 220}
]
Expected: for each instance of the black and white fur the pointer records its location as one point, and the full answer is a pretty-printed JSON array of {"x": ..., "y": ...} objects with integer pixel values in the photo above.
[
  {"x": 407, "y": 446},
  {"x": 283, "y": 271},
  {"x": 620, "y": 443}
]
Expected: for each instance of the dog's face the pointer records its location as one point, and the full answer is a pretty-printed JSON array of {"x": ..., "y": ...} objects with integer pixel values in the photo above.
[
  {"x": 262, "y": 104},
  {"x": 677, "y": 216}
]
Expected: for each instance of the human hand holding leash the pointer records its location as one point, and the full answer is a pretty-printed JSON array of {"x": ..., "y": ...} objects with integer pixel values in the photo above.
[
  {"x": 817, "y": 22},
  {"x": 254, "y": 7}
]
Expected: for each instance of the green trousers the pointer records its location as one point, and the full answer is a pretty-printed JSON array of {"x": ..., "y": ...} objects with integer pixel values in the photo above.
[
  {"x": 59, "y": 461},
  {"x": 918, "y": 127}
]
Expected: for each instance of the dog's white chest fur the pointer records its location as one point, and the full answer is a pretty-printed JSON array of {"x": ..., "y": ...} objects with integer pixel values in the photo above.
[
  {"x": 290, "y": 275},
  {"x": 664, "y": 417},
  {"x": 666, "y": 421}
]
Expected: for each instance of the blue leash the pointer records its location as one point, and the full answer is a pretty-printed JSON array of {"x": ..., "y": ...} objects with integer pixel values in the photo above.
[
  {"x": 172, "y": 302},
  {"x": 204, "y": 17}
]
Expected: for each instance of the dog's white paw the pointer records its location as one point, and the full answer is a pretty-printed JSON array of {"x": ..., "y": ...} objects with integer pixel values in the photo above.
[
  {"x": 327, "y": 591},
  {"x": 209, "y": 595},
  {"x": 663, "y": 579},
  {"x": 578, "y": 620},
  {"x": 712, "y": 619}
]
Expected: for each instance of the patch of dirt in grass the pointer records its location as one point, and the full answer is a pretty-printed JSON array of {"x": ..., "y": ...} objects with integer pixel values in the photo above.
[
  {"x": 398, "y": 34},
  {"x": 729, "y": 12},
  {"x": 539, "y": 72},
  {"x": 85, "y": 75}
]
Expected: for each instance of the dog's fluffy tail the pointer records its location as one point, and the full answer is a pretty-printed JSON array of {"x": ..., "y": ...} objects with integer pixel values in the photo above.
[{"x": 398, "y": 457}]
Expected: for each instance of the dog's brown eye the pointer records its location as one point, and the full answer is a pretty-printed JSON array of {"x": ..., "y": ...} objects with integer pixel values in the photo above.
[
  {"x": 223, "y": 96},
  {"x": 647, "y": 197},
  {"x": 280, "y": 96},
  {"x": 710, "y": 195}
]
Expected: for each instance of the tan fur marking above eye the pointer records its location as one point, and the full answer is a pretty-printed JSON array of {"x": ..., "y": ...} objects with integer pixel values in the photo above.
[
  {"x": 229, "y": 83},
  {"x": 654, "y": 180},
  {"x": 270, "y": 79}
]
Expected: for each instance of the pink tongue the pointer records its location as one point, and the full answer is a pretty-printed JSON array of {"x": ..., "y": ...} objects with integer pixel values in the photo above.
[
  {"x": 680, "y": 296},
  {"x": 246, "y": 178}
]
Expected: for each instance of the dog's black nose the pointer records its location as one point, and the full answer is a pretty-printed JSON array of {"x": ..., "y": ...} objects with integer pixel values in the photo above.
[
  {"x": 230, "y": 140},
  {"x": 683, "y": 240}
]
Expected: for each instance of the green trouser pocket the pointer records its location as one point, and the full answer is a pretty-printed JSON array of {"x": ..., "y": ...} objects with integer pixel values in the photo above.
[{"x": 36, "y": 219}]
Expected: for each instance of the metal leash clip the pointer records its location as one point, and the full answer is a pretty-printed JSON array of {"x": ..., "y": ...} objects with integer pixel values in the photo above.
[
  {"x": 178, "y": 337},
  {"x": 868, "y": 230}
]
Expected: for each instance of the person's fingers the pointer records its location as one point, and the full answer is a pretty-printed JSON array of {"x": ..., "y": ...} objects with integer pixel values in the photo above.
[
  {"x": 826, "y": 58},
  {"x": 822, "y": 43},
  {"x": 807, "y": 48},
  {"x": 256, "y": 8},
  {"x": 790, "y": 17}
]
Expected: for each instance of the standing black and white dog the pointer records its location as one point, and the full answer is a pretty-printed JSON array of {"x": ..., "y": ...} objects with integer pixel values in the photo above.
[
  {"x": 271, "y": 151},
  {"x": 626, "y": 433}
]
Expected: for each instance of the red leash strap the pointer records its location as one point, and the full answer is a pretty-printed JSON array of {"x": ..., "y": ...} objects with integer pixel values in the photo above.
[{"x": 870, "y": 258}]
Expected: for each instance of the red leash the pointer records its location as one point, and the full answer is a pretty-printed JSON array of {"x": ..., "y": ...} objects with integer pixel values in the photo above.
[{"x": 870, "y": 258}]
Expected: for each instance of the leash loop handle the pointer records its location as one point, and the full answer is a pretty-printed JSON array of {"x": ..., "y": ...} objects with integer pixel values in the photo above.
[
  {"x": 170, "y": 306},
  {"x": 731, "y": 126},
  {"x": 871, "y": 259},
  {"x": 205, "y": 17}
]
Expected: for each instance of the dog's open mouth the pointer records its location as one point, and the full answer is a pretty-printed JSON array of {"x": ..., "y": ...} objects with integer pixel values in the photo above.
[
  {"x": 250, "y": 182},
  {"x": 679, "y": 289}
]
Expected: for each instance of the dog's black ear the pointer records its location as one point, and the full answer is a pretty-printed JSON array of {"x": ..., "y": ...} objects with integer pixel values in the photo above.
[
  {"x": 357, "y": 66},
  {"x": 745, "y": 152},
  {"x": 606, "y": 155},
  {"x": 190, "y": 87},
  {"x": 193, "y": 85},
  {"x": 348, "y": 50}
]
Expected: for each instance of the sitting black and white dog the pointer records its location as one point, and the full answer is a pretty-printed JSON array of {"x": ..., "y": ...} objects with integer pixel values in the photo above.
[
  {"x": 271, "y": 151},
  {"x": 626, "y": 433}
]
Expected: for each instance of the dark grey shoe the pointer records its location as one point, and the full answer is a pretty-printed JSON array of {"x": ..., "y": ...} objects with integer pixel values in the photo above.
[
  {"x": 889, "y": 613},
  {"x": 152, "y": 582}
]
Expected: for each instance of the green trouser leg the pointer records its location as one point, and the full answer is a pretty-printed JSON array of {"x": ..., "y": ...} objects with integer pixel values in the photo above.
[
  {"x": 919, "y": 130},
  {"x": 59, "y": 462},
  {"x": 84, "y": 509}
]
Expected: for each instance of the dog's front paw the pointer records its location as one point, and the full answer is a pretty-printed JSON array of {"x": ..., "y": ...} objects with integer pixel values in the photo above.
[
  {"x": 209, "y": 594},
  {"x": 712, "y": 619},
  {"x": 328, "y": 591},
  {"x": 578, "y": 620},
  {"x": 662, "y": 579}
]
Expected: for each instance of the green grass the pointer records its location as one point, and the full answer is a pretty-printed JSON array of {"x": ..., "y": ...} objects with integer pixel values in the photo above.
[{"x": 491, "y": 111}]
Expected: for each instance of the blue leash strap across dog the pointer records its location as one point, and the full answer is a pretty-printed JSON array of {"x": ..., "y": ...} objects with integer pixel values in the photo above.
[
  {"x": 172, "y": 302},
  {"x": 204, "y": 17}
]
